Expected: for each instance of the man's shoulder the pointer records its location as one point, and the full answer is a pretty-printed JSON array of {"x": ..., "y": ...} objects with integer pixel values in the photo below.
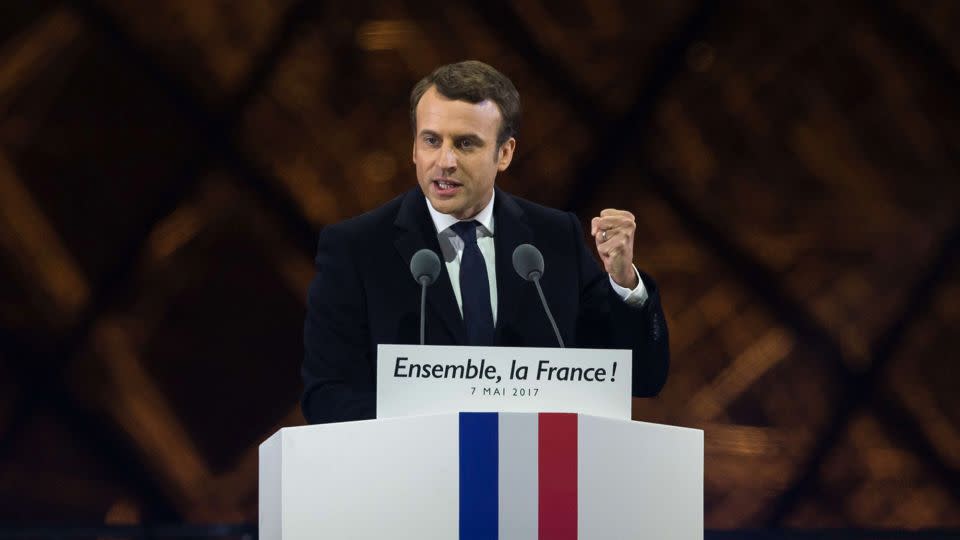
[
  {"x": 536, "y": 212},
  {"x": 370, "y": 221}
]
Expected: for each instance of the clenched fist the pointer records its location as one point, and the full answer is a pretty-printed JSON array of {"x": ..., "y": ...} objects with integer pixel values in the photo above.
[{"x": 613, "y": 232}]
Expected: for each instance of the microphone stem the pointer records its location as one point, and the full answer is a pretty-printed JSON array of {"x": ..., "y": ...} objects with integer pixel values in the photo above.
[
  {"x": 423, "y": 309},
  {"x": 546, "y": 308}
]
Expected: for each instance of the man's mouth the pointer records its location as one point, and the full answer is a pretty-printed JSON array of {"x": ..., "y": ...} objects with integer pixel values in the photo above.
[{"x": 446, "y": 186}]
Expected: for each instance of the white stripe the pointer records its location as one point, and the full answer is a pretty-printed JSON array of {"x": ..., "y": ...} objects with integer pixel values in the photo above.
[
  {"x": 518, "y": 476},
  {"x": 638, "y": 480}
]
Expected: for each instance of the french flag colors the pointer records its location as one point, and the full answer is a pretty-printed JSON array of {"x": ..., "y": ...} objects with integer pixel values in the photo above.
[
  {"x": 506, "y": 476},
  {"x": 518, "y": 476}
]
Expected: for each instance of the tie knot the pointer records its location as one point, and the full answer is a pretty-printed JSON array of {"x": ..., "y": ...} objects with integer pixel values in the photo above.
[{"x": 466, "y": 230}]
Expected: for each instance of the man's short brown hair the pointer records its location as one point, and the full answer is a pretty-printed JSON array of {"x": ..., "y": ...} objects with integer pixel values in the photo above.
[{"x": 473, "y": 81}]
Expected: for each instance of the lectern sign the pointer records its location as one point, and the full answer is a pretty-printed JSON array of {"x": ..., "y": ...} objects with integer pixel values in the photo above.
[{"x": 417, "y": 379}]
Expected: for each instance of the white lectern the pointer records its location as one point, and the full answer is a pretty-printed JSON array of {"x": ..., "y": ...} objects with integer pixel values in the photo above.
[{"x": 483, "y": 475}]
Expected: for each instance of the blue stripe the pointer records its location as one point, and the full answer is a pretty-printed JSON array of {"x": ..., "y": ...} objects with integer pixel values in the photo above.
[{"x": 479, "y": 449}]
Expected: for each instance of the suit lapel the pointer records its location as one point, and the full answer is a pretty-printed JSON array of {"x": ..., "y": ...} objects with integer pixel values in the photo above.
[
  {"x": 511, "y": 230},
  {"x": 415, "y": 231}
]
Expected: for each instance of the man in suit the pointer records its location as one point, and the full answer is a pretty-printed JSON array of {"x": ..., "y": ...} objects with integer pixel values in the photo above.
[{"x": 465, "y": 118}]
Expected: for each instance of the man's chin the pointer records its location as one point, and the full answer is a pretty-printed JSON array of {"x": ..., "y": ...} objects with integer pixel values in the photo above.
[{"x": 444, "y": 206}]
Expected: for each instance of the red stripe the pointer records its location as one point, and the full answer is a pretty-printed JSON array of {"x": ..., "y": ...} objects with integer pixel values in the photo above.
[{"x": 558, "y": 476}]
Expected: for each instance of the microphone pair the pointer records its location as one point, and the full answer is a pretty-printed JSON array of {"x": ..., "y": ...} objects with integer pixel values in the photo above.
[{"x": 527, "y": 262}]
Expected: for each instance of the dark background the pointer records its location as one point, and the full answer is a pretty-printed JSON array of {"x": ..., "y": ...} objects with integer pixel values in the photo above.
[{"x": 165, "y": 167}]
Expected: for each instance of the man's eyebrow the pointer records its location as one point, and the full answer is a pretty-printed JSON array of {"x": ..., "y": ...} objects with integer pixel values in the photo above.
[
  {"x": 458, "y": 136},
  {"x": 470, "y": 136}
]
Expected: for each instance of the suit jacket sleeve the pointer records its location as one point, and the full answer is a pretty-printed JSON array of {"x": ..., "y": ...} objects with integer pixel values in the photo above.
[
  {"x": 336, "y": 365},
  {"x": 606, "y": 321}
]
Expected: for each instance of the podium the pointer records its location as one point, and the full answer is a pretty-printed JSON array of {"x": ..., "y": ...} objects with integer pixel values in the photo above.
[{"x": 483, "y": 475}]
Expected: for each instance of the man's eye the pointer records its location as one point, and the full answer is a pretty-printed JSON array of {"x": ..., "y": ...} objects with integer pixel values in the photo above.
[
  {"x": 432, "y": 141},
  {"x": 466, "y": 144}
]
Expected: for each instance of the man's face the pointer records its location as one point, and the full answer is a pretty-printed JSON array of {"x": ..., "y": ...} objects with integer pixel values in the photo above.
[{"x": 455, "y": 151}]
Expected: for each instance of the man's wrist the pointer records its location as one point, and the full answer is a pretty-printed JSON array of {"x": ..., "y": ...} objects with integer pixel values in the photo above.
[
  {"x": 628, "y": 280},
  {"x": 634, "y": 296}
]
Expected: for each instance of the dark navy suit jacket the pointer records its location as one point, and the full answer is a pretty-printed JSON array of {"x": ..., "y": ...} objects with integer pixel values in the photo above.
[{"x": 363, "y": 295}]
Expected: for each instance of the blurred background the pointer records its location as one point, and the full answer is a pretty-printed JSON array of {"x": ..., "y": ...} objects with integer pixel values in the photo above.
[{"x": 165, "y": 167}]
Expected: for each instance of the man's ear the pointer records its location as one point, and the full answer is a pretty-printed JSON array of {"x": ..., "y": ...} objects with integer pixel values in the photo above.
[{"x": 505, "y": 154}]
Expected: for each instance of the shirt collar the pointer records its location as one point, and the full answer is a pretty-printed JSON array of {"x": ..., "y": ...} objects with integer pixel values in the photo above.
[{"x": 442, "y": 222}]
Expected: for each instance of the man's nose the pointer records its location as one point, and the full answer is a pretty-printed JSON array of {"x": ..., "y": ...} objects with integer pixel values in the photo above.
[{"x": 448, "y": 159}]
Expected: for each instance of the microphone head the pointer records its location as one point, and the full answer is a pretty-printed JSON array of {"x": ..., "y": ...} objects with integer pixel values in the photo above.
[
  {"x": 425, "y": 265},
  {"x": 528, "y": 262}
]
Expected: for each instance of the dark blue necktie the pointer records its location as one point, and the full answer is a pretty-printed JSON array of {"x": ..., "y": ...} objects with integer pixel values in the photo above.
[{"x": 474, "y": 287}]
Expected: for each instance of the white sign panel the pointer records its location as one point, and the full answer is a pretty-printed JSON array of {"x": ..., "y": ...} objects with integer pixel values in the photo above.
[{"x": 428, "y": 379}]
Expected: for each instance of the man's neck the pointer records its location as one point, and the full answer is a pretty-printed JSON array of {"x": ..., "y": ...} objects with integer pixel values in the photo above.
[{"x": 443, "y": 221}]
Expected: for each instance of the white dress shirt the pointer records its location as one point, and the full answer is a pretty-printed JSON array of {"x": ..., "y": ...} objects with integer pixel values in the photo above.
[{"x": 452, "y": 247}]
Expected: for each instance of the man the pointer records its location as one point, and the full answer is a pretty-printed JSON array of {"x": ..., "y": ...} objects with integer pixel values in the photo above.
[{"x": 465, "y": 119}]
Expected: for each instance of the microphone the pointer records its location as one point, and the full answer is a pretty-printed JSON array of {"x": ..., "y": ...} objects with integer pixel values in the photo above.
[
  {"x": 528, "y": 262},
  {"x": 425, "y": 267}
]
